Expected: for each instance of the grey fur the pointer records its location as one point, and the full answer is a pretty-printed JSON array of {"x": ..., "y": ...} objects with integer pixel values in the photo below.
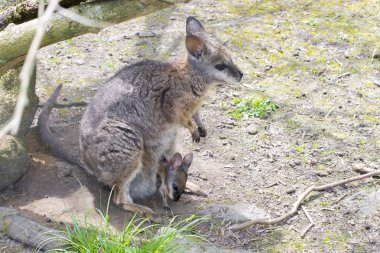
[{"x": 133, "y": 119}]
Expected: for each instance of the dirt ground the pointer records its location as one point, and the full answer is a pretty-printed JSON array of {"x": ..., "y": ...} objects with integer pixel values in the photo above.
[{"x": 319, "y": 61}]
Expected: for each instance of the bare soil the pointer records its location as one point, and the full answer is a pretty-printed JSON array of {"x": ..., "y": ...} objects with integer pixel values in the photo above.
[{"x": 318, "y": 61}]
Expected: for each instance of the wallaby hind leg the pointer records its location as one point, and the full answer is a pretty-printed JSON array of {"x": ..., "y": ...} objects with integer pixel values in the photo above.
[
  {"x": 124, "y": 200},
  {"x": 193, "y": 130},
  {"x": 201, "y": 128}
]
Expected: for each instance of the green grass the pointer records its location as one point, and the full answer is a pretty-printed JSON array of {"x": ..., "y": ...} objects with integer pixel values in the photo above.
[
  {"x": 137, "y": 236},
  {"x": 258, "y": 107}
]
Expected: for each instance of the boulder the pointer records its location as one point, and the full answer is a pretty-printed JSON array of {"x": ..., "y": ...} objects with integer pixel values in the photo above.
[
  {"x": 236, "y": 213},
  {"x": 14, "y": 160}
]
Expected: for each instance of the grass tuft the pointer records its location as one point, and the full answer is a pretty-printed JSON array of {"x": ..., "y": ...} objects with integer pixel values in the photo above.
[
  {"x": 258, "y": 107},
  {"x": 135, "y": 238}
]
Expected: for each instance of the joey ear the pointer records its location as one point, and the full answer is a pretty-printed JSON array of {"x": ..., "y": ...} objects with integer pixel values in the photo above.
[
  {"x": 187, "y": 160},
  {"x": 193, "y": 26},
  {"x": 194, "y": 46},
  {"x": 176, "y": 161}
]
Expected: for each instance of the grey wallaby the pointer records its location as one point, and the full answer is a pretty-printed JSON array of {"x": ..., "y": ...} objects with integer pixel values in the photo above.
[{"x": 132, "y": 121}]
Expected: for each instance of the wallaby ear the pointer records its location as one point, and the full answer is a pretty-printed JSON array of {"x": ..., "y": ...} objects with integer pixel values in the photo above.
[
  {"x": 176, "y": 161},
  {"x": 194, "y": 46},
  {"x": 187, "y": 160},
  {"x": 193, "y": 26}
]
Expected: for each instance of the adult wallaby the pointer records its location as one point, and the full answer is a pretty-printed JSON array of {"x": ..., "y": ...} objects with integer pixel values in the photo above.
[{"x": 132, "y": 120}]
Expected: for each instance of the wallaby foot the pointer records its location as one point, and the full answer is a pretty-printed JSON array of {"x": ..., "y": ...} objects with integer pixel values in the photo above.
[
  {"x": 143, "y": 211},
  {"x": 196, "y": 136},
  {"x": 192, "y": 188},
  {"x": 201, "y": 128},
  {"x": 122, "y": 199}
]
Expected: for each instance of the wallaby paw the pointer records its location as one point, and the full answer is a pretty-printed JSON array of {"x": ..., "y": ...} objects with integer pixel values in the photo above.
[
  {"x": 202, "y": 132},
  {"x": 146, "y": 212},
  {"x": 196, "y": 137}
]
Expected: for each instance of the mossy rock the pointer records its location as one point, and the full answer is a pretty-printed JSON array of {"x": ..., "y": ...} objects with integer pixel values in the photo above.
[
  {"x": 14, "y": 160},
  {"x": 9, "y": 89}
]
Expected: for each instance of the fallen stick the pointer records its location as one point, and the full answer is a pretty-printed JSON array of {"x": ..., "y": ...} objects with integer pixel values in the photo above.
[
  {"x": 73, "y": 104},
  {"x": 310, "y": 220},
  {"x": 297, "y": 204}
]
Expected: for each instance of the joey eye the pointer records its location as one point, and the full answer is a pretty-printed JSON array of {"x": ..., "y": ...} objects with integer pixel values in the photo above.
[
  {"x": 175, "y": 187},
  {"x": 221, "y": 66}
]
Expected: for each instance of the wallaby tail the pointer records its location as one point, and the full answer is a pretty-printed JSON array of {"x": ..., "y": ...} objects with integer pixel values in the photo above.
[{"x": 56, "y": 146}]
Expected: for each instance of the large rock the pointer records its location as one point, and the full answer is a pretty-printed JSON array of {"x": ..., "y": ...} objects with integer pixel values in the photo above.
[
  {"x": 14, "y": 160},
  {"x": 365, "y": 204},
  {"x": 236, "y": 213},
  {"x": 371, "y": 204},
  {"x": 9, "y": 89}
]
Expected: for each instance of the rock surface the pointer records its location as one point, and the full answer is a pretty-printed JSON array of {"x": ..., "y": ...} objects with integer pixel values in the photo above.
[
  {"x": 366, "y": 204},
  {"x": 236, "y": 213},
  {"x": 14, "y": 160}
]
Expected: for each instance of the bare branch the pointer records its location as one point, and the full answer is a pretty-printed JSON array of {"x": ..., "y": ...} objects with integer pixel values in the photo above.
[
  {"x": 300, "y": 199},
  {"x": 310, "y": 220},
  {"x": 26, "y": 73},
  {"x": 81, "y": 19}
]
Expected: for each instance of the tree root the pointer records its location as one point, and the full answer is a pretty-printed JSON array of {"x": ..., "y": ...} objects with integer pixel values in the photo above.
[{"x": 29, "y": 232}]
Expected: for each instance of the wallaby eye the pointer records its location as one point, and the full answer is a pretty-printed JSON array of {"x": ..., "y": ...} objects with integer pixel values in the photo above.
[
  {"x": 220, "y": 66},
  {"x": 175, "y": 187}
]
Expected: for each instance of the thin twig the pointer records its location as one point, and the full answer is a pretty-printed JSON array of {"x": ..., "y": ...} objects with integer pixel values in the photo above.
[
  {"x": 343, "y": 75},
  {"x": 73, "y": 104},
  {"x": 81, "y": 19},
  {"x": 340, "y": 198},
  {"x": 310, "y": 220},
  {"x": 299, "y": 201},
  {"x": 338, "y": 62},
  {"x": 250, "y": 86},
  {"x": 328, "y": 114},
  {"x": 306, "y": 230},
  {"x": 281, "y": 182},
  {"x": 13, "y": 124},
  {"x": 271, "y": 185}
]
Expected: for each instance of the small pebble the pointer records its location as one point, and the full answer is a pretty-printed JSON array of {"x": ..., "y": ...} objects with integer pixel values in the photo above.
[
  {"x": 232, "y": 174},
  {"x": 202, "y": 176},
  {"x": 322, "y": 174},
  {"x": 291, "y": 190},
  {"x": 252, "y": 130},
  {"x": 376, "y": 54}
]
